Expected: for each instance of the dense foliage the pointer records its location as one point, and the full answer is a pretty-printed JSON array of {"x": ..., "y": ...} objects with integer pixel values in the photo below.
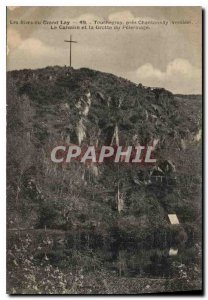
[{"x": 77, "y": 228}]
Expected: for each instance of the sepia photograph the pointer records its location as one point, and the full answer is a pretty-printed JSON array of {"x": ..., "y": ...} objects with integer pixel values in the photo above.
[{"x": 104, "y": 150}]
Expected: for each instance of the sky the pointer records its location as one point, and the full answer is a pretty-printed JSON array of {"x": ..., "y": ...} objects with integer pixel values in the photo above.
[{"x": 168, "y": 56}]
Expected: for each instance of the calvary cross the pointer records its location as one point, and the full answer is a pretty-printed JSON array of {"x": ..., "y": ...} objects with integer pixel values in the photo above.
[{"x": 70, "y": 53}]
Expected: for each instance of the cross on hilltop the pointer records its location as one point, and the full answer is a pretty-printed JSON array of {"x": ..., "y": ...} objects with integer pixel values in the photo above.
[{"x": 70, "y": 51}]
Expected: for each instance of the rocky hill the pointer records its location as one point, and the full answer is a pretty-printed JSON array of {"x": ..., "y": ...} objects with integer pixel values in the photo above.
[{"x": 110, "y": 210}]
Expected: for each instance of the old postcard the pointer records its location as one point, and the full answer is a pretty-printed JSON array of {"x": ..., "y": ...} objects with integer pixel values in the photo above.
[{"x": 104, "y": 150}]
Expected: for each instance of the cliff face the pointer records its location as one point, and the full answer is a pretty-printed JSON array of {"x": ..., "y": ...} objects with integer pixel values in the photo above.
[
  {"x": 58, "y": 105},
  {"x": 55, "y": 105}
]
